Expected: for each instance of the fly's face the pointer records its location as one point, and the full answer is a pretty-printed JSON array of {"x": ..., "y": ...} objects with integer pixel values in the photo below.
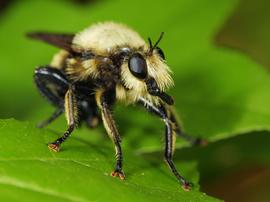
[{"x": 145, "y": 74}]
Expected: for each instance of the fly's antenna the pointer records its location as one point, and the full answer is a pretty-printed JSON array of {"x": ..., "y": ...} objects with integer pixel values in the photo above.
[
  {"x": 152, "y": 47},
  {"x": 150, "y": 43},
  {"x": 159, "y": 39}
]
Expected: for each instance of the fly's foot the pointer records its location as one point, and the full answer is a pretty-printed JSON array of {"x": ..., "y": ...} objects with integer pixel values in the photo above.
[
  {"x": 118, "y": 173},
  {"x": 186, "y": 186},
  {"x": 41, "y": 125},
  {"x": 200, "y": 142},
  {"x": 54, "y": 147}
]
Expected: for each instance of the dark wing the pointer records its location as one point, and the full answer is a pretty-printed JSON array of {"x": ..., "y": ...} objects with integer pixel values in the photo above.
[{"x": 63, "y": 41}]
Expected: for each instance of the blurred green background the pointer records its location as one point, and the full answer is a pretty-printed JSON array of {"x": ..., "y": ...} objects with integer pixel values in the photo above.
[{"x": 219, "y": 53}]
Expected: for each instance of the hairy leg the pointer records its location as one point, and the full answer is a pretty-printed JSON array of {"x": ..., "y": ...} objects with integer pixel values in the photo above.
[
  {"x": 170, "y": 137},
  {"x": 104, "y": 100},
  {"x": 71, "y": 116},
  {"x": 52, "y": 84},
  {"x": 53, "y": 117},
  {"x": 173, "y": 120}
]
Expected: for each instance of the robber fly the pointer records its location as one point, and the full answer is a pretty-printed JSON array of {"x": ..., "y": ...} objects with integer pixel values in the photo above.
[{"x": 104, "y": 63}]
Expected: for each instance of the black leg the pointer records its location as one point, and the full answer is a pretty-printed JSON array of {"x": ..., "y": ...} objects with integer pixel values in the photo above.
[
  {"x": 169, "y": 149},
  {"x": 170, "y": 134},
  {"x": 52, "y": 84},
  {"x": 71, "y": 115},
  {"x": 54, "y": 116},
  {"x": 182, "y": 134},
  {"x": 104, "y": 100},
  {"x": 172, "y": 117}
]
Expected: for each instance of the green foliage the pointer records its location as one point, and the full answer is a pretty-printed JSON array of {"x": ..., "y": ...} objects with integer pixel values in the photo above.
[
  {"x": 219, "y": 93},
  {"x": 81, "y": 171}
]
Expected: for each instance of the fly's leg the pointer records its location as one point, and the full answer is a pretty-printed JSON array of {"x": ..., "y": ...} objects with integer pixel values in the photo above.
[
  {"x": 54, "y": 116},
  {"x": 104, "y": 100},
  {"x": 192, "y": 140},
  {"x": 173, "y": 120},
  {"x": 53, "y": 85},
  {"x": 170, "y": 137},
  {"x": 71, "y": 116}
]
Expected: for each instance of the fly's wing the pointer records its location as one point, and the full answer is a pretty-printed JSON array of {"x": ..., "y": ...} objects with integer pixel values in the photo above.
[{"x": 63, "y": 41}]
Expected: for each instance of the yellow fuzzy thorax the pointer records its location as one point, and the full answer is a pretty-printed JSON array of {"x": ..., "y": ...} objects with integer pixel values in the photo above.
[
  {"x": 129, "y": 89},
  {"x": 103, "y": 40}
]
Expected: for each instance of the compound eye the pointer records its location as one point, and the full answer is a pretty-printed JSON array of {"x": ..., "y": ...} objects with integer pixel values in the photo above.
[
  {"x": 137, "y": 66},
  {"x": 160, "y": 53}
]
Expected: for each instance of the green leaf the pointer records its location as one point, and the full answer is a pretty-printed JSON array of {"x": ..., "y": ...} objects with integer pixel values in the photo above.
[
  {"x": 234, "y": 169},
  {"x": 81, "y": 171}
]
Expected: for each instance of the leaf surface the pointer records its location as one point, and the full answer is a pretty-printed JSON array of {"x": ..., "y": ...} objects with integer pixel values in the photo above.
[{"x": 81, "y": 171}]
